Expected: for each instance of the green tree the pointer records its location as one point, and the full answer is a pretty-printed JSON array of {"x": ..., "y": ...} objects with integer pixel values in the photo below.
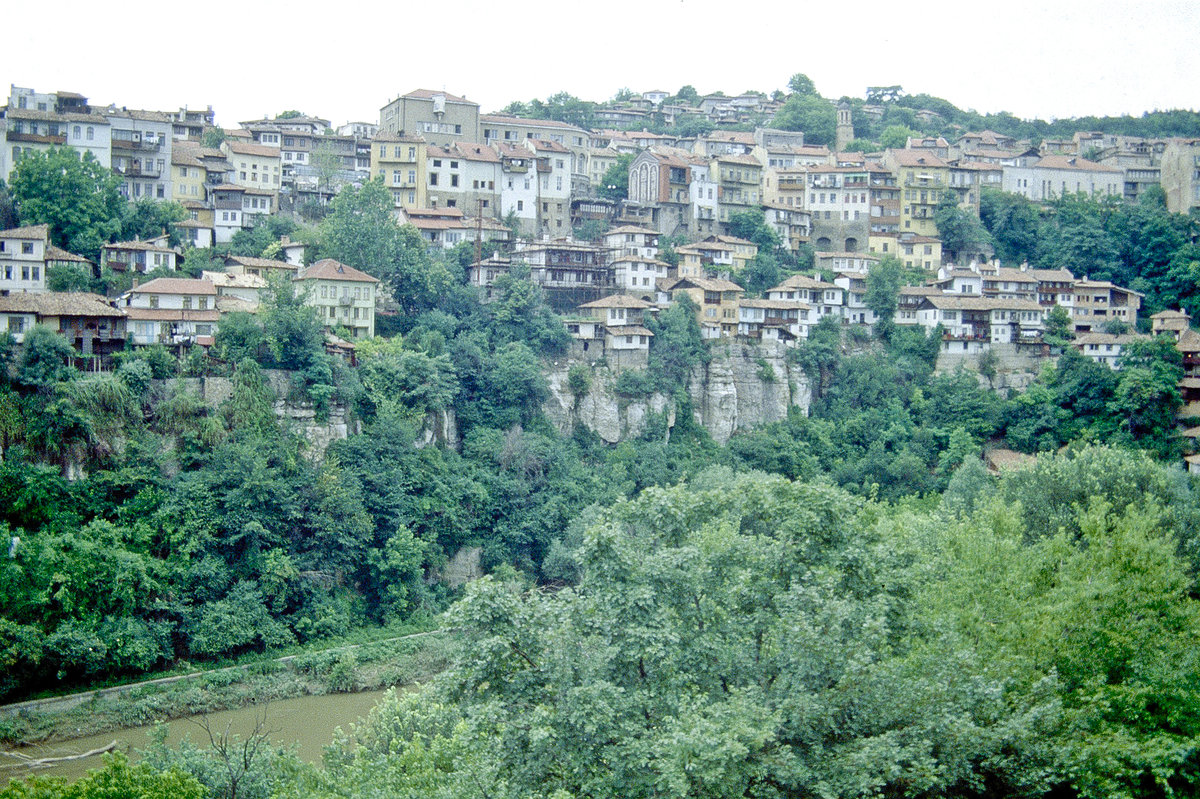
[
  {"x": 896, "y": 136},
  {"x": 614, "y": 185},
  {"x": 677, "y": 347},
  {"x": 801, "y": 84},
  {"x": 147, "y": 219},
  {"x": 687, "y": 94},
  {"x": 883, "y": 293},
  {"x": 1059, "y": 328},
  {"x": 213, "y": 138},
  {"x": 294, "y": 330},
  {"x": 116, "y": 780},
  {"x": 77, "y": 197},
  {"x": 812, "y": 114},
  {"x": 960, "y": 231}
]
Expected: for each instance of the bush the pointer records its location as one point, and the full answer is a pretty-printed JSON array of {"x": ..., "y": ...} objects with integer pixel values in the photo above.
[{"x": 633, "y": 383}]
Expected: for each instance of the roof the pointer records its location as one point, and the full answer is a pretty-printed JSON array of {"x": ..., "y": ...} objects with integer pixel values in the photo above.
[
  {"x": 249, "y": 148},
  {"x": 1013, "y": 275},
  {"x": 261, "y": 263},
  {"x": 504, "y": 119},
  {"x": 1104, "y": 284},
  {"x": 52, "y": 116},
  {"x": 1070, "y": 162},
  {"x": 617, "y": 301},
  {"x": 389, "y": 136},
  {"x": 917, "y": 158},
  {"x": 59, "y": 304},
  {"x": 972, "y": 302},
  {"x": 1053, "y": 275},
  {"x": 174, "y": 285},
  {"x": 27, "y": 232},
  {"x": 140, "y": 246},
  {"x": 227, "y": 303},
  {"x": 59, "y": 254},
  {"x": 1171, "y": 315},
  {"x": 627, "y": 330},
  {"x": 1189, "y": 341},
  {"x": 745, "y": 160},
  {"x": 708, "y": 284},
  {"x": 632, "y": 229},
  {"x": 783, "y": 305},
  {"x": 329, "y": 269},
  {"x": 1106, "y": 338},
  {"x": 429, "y": 94},
  {"x": 234, "y": 281},
  {"x": 803, "y": 282}
]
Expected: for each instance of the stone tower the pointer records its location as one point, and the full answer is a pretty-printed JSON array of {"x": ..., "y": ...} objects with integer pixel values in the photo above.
[{"x": 845, "y": 126}]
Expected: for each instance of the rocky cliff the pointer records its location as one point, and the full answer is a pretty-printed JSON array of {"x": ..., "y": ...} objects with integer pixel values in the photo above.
[{"x": 742, "y": 387}]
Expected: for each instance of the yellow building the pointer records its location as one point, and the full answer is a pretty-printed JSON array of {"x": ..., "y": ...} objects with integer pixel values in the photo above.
[
  {"x": 716, "y": 303},
  {"x": 187, "y": 172},
  {"x": 344, "y": 296},
  {"x": 400, "y": 159},
  {"x": 743, "y": 251},
  {"x": 923, "y": 252},
  {"x": 923, "y": 180},
  {"x": 254, "y": 166}
]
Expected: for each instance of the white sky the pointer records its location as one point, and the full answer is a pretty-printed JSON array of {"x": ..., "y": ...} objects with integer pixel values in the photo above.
[{"x": 1043, "y": 58}]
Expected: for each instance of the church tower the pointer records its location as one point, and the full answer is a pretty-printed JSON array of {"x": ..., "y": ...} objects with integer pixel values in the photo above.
[{"x": 845, "y": 126}]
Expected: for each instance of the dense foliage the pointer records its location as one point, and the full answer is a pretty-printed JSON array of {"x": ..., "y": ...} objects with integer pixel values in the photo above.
[{"x": 750, "y": 636}]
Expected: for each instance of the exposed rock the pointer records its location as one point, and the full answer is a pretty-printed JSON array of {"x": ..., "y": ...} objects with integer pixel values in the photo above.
[
  {"x": 742, "y": 387},
  {"x": 462, "y": 568}
]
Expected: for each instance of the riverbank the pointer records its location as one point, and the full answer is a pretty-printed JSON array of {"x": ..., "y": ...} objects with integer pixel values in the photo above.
[{"x": 342, "y": 669}]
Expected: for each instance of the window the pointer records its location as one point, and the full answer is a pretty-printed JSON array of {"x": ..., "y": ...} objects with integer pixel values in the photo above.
[
  {"x": 454, "y": 180},
  {"x": 16, "y": 324},
  {"x": 520, "y": 205},
  {"x": 27, "y": 248},
  {"x": 24, "y": 272},
  {"x": 202, "y": 303},
  {"x": 153, "y": 300},
  {"x": 433, "y": 178},
  {"x": 91, "y": 133},
  {"x": 187, "y": 303}
]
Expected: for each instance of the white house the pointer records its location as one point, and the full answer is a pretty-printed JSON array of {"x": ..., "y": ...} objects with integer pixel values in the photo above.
[
  {"x": 172, "y": 311},
  {"x": 23, "y": 259}
]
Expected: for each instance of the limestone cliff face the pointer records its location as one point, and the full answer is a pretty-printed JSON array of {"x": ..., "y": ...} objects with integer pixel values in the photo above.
[{"x": 742, "y": 387}]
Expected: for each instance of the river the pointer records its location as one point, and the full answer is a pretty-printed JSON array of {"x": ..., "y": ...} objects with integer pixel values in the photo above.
[{"x": 307, "y": 722}]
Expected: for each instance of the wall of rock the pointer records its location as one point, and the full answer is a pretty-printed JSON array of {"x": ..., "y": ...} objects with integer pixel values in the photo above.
[{"x": 742, "y": 387}]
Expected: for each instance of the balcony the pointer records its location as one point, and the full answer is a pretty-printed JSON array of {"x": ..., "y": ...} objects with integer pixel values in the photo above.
[
  {"x": 133, "y": 171},
  {"x": 136, "y": 145},
  {"x": 34, "y": 138}
]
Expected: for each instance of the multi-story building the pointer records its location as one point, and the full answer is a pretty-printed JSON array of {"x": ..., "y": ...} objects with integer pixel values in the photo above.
[
  {"x": 436, "y": 116},
  {"x": 569, "y": 274},
  {"x": 631, "y": 240},
  {"x": 1053, "y": 176},
  {"x": 465, "y": 176},
  {"x": 188, "y": 173},
  {"x": 444, "y": 228},
  {"x": 29, "y": 131},
  {"x": 672, "y": 185},
  {"x": 739, "y": 180},
  {"x": 139, "y": 256},
  {"x": 826, "y": 299},
  {"x": 190, "y": 124},
  {"x": 1098, "y": 301},
  {"x": 973, "y": 323},
  {"x": 1180, "y": 175},
  {"x": 519, "y": 186},
  {"x": 172, "y": 311},
  {"x": 498, "y": 128},
  {"x": 344, "y": 296},
  {"x": 554, "y": 186},
  {"x": 923, "y": 180},
  {"x": 638, "y": 274},
  {"x": 400, "y": 160},
  {"x": 23, "y": 252},
  {"x": 228, "y": 201},
  {"x": 792, "y": 225},
  {"x": 838, "y": 200},
  {"x": 785, "y": 321},
  {"x": 716, "y": 302},
  {"x": 141, "y": 152},
  {"x": 255, "y": 166},
  {"x": 883, "y": 199}
]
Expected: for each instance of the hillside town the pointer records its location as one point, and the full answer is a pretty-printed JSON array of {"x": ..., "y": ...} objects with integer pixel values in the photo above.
[{"x": 519, "y": 190}]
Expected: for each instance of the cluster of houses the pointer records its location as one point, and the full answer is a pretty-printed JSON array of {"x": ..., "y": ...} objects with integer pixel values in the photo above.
[
  {"x": 455, "y": 173},
  {"x": 176, "y": 312}
]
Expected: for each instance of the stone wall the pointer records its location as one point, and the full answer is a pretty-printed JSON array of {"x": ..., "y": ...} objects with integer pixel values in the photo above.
[{"x": 742, "y": 387}]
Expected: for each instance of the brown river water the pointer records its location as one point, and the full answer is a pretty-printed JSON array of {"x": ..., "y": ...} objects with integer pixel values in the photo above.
[{"x": 306, "y": 722}]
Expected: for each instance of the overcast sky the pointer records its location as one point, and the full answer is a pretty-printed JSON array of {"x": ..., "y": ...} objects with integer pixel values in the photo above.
[{"x": 342, "y": 62}]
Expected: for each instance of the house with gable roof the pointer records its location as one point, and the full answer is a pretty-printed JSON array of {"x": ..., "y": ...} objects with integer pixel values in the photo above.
[{"x": 344, "y": 296}]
